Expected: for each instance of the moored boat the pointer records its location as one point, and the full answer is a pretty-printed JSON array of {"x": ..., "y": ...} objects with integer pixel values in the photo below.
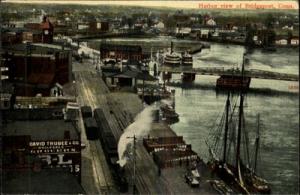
[
  {"x": 172, "y": 58},
  {"x": 226, "y": 153},
  {"x": 187, "y": 60},
  {"x": 236, "y": 81}
]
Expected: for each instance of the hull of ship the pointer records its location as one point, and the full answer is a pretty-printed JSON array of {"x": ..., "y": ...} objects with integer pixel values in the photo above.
[
  {"x": 253, "y": 183},
  {"x": 228, "y": 176},
  {"x": 171, "y": 63},
  {"x": 233, "y": 83}
]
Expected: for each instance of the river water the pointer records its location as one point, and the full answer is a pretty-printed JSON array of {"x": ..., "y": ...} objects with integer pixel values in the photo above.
[{"x": 277, "y": 102}]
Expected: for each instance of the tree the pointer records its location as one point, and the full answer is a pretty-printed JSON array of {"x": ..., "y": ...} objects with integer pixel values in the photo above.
[{"x": 269, "y": 21}]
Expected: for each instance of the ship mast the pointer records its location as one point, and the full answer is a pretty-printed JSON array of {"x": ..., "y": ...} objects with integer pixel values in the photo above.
[
  {"x": 241, "y": 111},
  {"x": 226, "y": 127},
  {"x": 257, "y": 142}
]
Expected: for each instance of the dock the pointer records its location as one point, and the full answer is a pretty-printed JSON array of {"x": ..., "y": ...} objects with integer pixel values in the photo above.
[{"x": 119, "y": 109}]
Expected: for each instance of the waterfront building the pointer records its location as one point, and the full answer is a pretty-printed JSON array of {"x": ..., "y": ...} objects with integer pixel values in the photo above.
[
  {"x": 39, "y": 146},
  {"x": 36, "y": 68},
  {"x": 127, "y": 76},
  {"x": 132, "y": 53}
]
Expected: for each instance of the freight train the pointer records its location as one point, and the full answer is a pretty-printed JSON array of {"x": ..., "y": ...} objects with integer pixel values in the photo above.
[{"x": 97, "y": 128}]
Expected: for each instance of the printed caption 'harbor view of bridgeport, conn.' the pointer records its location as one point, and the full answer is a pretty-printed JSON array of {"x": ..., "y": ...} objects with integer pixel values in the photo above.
[{"x": 149, "y": 97}]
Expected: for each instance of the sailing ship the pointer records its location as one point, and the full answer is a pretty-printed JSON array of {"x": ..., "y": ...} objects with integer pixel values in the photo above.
[{"x": 230, "y": 156}]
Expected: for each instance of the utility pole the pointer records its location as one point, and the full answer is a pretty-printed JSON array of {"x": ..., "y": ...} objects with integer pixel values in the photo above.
[
  {"x": 0, "y": 83},
  {"x": 0, "y": 46},
  {"x": 134, "y": 163}
]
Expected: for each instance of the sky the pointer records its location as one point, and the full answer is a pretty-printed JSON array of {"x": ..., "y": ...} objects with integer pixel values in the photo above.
[{"x": 177, "y": 4}]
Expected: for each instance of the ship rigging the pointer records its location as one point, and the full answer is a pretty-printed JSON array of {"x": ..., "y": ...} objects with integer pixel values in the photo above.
[{"x": 230, "y": 149}]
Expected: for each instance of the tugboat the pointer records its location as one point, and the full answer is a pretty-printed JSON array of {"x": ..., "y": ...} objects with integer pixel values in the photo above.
[
  {"x": 169, "y": 113},
  {"x": 234, "y": 82},
  {"x": 226, "y": 158}
]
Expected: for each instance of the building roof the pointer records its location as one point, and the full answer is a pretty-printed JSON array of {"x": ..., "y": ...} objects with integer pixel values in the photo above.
[
  {"x": 164, "y": 140},
  {"x": 57, "y": 46},
  {"x": 46, "y": 25},
  {"x": 41, "y": 129},
  {"x": 10, "y": 29},
  {"x": 47, "y": 181},
  {"x": 129, "y": 72},
  {"x": 204, "y": 26},
  {"x": 169, "y": 155},
  {"x": 37, "y": 48},
  {"x": 124, "y": 48}
]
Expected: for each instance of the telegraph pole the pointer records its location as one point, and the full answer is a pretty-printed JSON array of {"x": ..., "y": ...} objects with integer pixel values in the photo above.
[
  {"x": 1, "y": 87},
  {"x": 134, "y": 163},
  {"x": 0, "y": 47}
]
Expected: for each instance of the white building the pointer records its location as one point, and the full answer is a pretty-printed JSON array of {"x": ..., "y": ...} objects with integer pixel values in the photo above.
[
  {"x": 211, "y": 22},
  {"x": 160, "y": 25},
  {"x": 294, "y": 41},
  {"x": 281, "y": 42}
]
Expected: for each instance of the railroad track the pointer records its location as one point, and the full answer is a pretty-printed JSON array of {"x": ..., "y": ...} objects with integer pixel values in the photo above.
[{"x": 103, "y": 177}]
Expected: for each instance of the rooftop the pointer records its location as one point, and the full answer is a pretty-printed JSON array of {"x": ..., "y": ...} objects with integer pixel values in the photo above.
[
  {"x": 128, "y": 72},
  {"x": 125, "y": 48},
  {"x": 37, "y": 48},
  {"x": 41, "y": 129},
  {"x": 47, "y": 181}
]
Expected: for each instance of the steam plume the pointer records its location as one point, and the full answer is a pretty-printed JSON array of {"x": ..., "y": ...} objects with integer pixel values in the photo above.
[{"x": 139, "y": 128}]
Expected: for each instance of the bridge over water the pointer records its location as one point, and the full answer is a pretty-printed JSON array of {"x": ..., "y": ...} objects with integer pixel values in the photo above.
[{"x": 218, "y": 71}]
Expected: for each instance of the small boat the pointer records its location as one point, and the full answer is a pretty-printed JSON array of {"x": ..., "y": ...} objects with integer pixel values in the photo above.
[
  {"x": 169, "y": 113},
  {"x": 191, "y": 180}
]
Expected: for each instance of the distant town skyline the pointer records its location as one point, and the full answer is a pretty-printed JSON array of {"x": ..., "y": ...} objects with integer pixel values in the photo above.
[{"x": 171, "y": 4}]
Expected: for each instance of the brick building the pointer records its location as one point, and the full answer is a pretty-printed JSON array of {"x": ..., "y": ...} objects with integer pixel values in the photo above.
[
  {"x": 36, "y": 68},
  {"x": 132, "y": 53},
  {"x": 39, "y": 143}
]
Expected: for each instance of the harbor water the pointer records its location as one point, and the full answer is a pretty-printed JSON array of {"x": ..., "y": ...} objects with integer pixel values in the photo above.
[{"x": 277, "y": 102}]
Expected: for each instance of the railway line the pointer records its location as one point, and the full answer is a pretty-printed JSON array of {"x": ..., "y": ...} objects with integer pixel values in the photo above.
[{"x": 119, "y": 110}]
